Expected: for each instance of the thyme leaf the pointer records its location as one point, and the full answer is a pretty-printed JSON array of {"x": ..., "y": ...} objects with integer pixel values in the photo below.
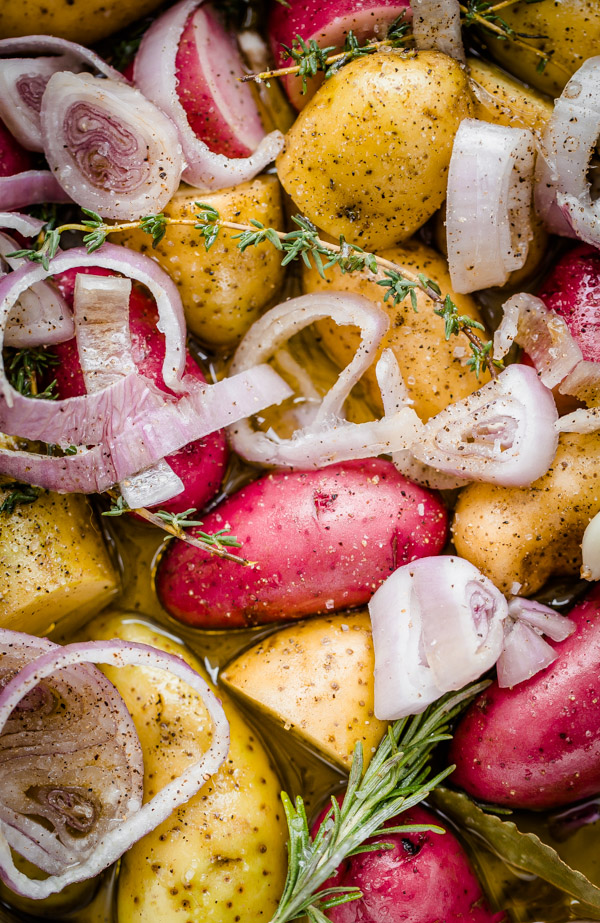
[
  {"x": 19, "y": 494},
  {"x": 398, "y": 777}
]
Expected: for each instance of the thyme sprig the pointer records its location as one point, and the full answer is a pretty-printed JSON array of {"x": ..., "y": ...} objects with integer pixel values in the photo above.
[
  {"x": 397, "y": 778},
  {"x": 310, "y": 58},
  {"x": 25, "y": 367},
  {"x": 176, "y": 523},
  {"x": 19, "y": 494},
  {"x": 304, "y": 243}
]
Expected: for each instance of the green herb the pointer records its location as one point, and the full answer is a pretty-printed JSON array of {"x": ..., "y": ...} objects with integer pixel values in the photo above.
[
  {"x": 49, "y": 242},
  {"x": 19, "y": 494},
  {"x": 24, "y": 368},
  {"x": 521, "y": 850},
  {"x": 156, "y": 226},
  {"x": 309, "y": 58},
  {"x": 118, "y": 507},
  {"x": 398, "y": 777},
  {"x": 304, "y": 243},
  {"x": 180, "y": 521}
]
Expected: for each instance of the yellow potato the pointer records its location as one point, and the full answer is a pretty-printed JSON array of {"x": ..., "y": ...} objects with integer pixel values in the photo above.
[
  {"x": 502, "y": 99},
  {"x": 223, "y": 290},
  {"x": 220, "y": 858},
  {"x": 432, "y": 366},
  {"x": 570, "y": 30},
  {"x": 524, "y": 535},
  {"x": 376, "y": 187},
  {"x": 55, "y": 571},
  {"x": 83, "y": 21},
  {"x": 315, "y": 678}
]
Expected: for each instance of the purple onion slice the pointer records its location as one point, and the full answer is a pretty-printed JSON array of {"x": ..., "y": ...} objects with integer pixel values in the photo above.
[
  {"x": 71, "y": 765},
  {"x": 71, "y": 760}
]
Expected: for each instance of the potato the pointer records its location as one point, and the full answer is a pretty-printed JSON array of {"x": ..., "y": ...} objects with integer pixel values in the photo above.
[
  {"x": 315, "y": 678},
  {"x": 55, "y": 571},
  {"x": 376, "y": 187},
  {"x": 570, "y": 30},
  {"x": 83, "y": 21},
  {"x": 223, "y": 290},
  {"x": 431, "y": 365},
  {"x": 320, "y": 540},
  {"x": 505, "y": 100},
  {"x": 523, "y": 536},
  {"x": 425, "y": 877},
  {"x": 221, "y": 857},
  {"x": 538, "y": 745}
]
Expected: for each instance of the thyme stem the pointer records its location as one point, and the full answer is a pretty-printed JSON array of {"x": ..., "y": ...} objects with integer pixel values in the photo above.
[
  {"x": 331, "y": 59},
  {"x": 304, "y": 243},
  {"x": 175, "y": 525}
]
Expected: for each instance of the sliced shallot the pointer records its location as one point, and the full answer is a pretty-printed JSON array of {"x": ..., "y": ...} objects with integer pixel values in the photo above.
[
  {"x": 41, "y": 316},
  {"x": 395, "y": 396},
  {"x": 110, "y": 148},
  {"x": 26, "y": 65},
  {"x": 525, "y": 652},
  {"x": 101, "y": 312},
  {"x": 488, "y": 226},
  {"x": 130, "y": 424},
  {"x": 156, "y": 75},
  {"x": 22, "y": 85},
  {"x": 71, "y": 764},
  {"x": 327, "y": 437},
  {"x": 31, "y": 187},
  {"x": 437, "y": 625},
  {"x": 436, "y": 24},
  {"x": 137, "y": 820},
  {"x": 569, "y": 140},
  {"x": 503, "y": 433},
  {"x": 543, "y": 334}
]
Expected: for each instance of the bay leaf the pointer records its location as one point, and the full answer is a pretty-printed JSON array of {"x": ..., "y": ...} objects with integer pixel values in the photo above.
[{"x": 523, "y": 851}]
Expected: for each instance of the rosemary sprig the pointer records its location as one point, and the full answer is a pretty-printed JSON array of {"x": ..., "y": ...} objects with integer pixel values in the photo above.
[
  {"x": 304, "y": 243},
  {"x": 19, "y": 494},
  {"x": 24, "y": 367},
  {"x": 176, "y": 523},
  {"x": 397, "y": 778}
]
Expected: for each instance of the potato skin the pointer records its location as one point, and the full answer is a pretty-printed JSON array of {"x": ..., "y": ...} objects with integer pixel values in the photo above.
[
  {"x": 221, "y": 857},
  {"x": 538, "y": 745},
  {"x": 316, "y": 679},
  {"x": 570, "y": 29},
  {"x": 524, "y": 535},
  {"x": 83, "y": 21},
  {"x": 434, "y": 375},
  {"x": 55, "y": 570},
  {"x": 322, "y": 540},
  {"x": 425, "y": 878},
  {"x": 223, "y": 291},
  {"x": 508, "y": 101},
  {"x": 376, "y": 187}
]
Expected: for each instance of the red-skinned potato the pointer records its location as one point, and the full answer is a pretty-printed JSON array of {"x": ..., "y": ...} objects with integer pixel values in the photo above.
[
  {"x": 321, "y": 540},
  {"x": 328, "y": 24},
  {"x": 537, "y": 746},
  {"x": 227, "y": 120},
  {"x": 424, "y": 878},
  {"x": 572, "y": 289},
  {"x": 201, "y": 464}
]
